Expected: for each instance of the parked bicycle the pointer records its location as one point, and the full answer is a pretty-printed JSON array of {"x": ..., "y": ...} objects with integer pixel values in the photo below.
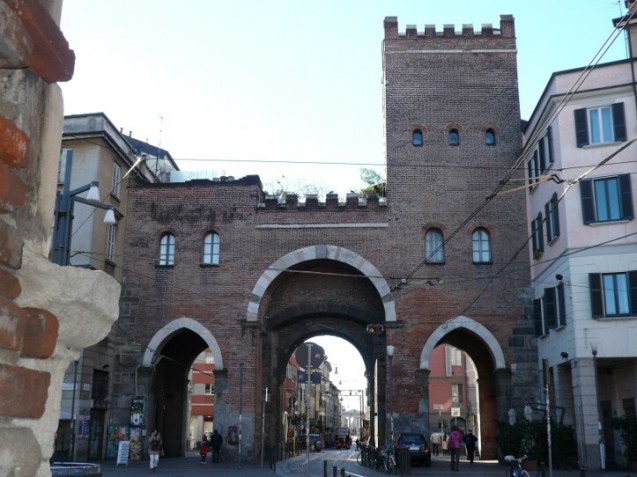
[{"x": 367, "y": 456}]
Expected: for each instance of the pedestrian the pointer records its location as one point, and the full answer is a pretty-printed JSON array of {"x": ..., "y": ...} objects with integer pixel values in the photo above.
[
  {"x": 454, "y": 442},
  {"x": 435, "y": 442},
  {"x": 443, "y": 445},
  {"x": 216, "y": 440},
  {"x": 470, "y": 441},
  {"x": 203, "y": 452},
  {"x": 154, "y": 449}
]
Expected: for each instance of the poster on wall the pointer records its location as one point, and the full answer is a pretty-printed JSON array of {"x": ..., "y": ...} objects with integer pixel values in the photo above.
[
  {"x": 137, "y": 409},
  {"x": 115, "y": 435},
  {"x": 135, "y": 444}
]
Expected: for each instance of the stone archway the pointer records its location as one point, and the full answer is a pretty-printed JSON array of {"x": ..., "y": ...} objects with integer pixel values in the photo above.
[
  {"x": 493, "y": 376},
  {"x": 289, "y": 315},
  {"x": 162, "y": 334},
  {"x": 167, "y": 360},
  {"x": 318, "y": 252}
]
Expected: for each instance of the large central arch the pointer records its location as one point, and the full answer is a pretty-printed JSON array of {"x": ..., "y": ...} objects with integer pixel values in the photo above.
[{"x": 319, "y": 290}]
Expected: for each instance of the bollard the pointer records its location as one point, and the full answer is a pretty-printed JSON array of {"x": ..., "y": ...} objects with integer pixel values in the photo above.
[
  {"x": 324, "y": 468},
  {"x": 334, "y": 471},
  {"x": 343, "y": 472}
]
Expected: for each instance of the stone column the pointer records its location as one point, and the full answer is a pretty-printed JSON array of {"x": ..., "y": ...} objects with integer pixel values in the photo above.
[
  {"x": 422, "y": 381},
  {"x": 586, "y": 415}
]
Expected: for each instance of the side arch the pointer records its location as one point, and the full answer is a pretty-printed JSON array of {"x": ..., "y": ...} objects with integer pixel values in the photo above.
[
  {"x": 173, "y": 326},
  {"x": 328, "y": 252},
  {"x": 466, "y": 323}
]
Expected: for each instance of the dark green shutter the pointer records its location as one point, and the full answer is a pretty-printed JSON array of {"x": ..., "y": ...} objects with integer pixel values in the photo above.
[
  {"x": 588, "y": 201},
  {"x": 556, "y": 214},
  {"x": 626, "y": 196},
  {"x": 597, "y": 303},
  {"x": 581, "y": 127},
  {"x": 550, "y": 308},
  {"x": 619, "y": 122},
  {"x": 632, "y": 287},
  {"x": 561, "y": 305},
  {"x": 549, "y": 136}
]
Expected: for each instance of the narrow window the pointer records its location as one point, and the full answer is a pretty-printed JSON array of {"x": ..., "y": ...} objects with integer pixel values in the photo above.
[
  {"x": 416, "y": 137},
  {"x": 434, "y": 246},
  {"x": 167, "y": 250},
  {"x": 607, "y": 199},
  {"x": 211, "y": 249},
  {"x": 117, "y": 177},
  {"x": 537, "y": 236},
  {"x": 552, "y": 219},
  {"x": 489, "y": 137},
  {"x": 481, "y": 246},
  {"x": 545, "y": 149},
  {"x": 111, "y": 241},
  {"x": 454, "y": 137},
  {"x": 538, "y": 316},
  {"x": 533, "y": 166}
]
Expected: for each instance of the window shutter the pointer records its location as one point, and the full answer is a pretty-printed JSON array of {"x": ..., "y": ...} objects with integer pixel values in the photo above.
[
  {"x": 540, "y": 233},
  {"x": 632, "y": 289},
  {"x": 550, "y": 308},
  {"x": 597, "y": 303},
  {"x": 549, "y": 224},
  {"x": 549, "y": 137},
  {"x": 542, "y": 150},
  {"x": 537, "y": 317},
  {"x": 626, "y": 196},
  {"x": 588, "y": 203},
  {"x": 619, "y": 122},
  {"x": 529, "y": 167},
  {"x": 561, "y": 305},
  {"x": 581, "y": 127},
  {"x": 556, "y": 214}
]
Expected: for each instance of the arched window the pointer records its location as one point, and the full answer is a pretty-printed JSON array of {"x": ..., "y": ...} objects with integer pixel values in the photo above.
[
  {"x": 167, "y": 250},
  {"x": 211, "y": 249},
  {"x": 454, "y": 137},
  {"x": 481, "y": 246},
  {"x": 489, "y": 137},
  {"x": 416, "y": 137},
  {"x": 434, "y": 248}
]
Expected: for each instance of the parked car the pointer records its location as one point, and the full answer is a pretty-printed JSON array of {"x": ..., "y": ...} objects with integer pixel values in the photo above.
[
  {"x": 316, "y": 442},
  {"x": 416, "y": 445}
]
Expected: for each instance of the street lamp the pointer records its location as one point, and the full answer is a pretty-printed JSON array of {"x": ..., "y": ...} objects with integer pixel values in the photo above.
[
  {"x": 64, "y": 203},
  {"x": 390, "y": 354},
  {"x": 602, "y": 446}
]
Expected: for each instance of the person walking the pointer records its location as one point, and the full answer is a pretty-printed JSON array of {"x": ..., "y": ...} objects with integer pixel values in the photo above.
[
  {"x": 203, "y": 452},
  {"x": 470, "y": 442},
  {"x": 216, "y": 441},
  {"x": 435, "y": 439},
  {"x": 154, "y": 449},
  {"x": 454, "y": 442}
]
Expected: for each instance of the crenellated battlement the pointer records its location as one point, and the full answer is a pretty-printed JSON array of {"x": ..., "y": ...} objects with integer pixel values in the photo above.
[
  {"x": 332, "y": 202},
  {"x": 506, "y": 30}
]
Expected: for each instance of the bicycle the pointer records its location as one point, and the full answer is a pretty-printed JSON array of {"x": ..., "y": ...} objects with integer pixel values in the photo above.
[{"x": 515, "y": 466}]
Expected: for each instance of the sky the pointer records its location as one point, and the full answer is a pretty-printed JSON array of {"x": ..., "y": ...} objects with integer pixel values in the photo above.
[
  {"x": 292, "y": 86},
  {"x": 232, "y": 86}
]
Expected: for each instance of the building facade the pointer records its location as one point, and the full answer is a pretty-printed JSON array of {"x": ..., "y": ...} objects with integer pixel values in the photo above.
[
  {"x": 581, "y": 176},
  {"x": 216, "y": 264}
]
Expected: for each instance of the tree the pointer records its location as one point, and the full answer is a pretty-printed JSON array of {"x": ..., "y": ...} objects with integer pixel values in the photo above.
[{"x": 375, "y": 182}]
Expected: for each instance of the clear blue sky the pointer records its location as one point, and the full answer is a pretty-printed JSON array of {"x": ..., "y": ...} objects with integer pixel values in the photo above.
[{"x": 288, "y": 80}]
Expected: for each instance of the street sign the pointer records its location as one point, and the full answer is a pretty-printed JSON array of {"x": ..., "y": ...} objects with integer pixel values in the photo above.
[{"x": 317, "y": 355}]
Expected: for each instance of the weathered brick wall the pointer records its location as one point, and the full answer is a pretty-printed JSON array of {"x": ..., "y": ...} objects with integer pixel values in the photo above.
[{"x": 33, "y": 55}]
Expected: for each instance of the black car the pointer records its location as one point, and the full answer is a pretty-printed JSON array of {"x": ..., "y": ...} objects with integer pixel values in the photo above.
[
  {"x": 316, "y": 442},
  {"x": 417, "y": 446}
]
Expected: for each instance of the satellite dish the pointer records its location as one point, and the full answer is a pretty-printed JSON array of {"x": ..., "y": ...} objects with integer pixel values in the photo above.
[{"x": 317, "y": 355}]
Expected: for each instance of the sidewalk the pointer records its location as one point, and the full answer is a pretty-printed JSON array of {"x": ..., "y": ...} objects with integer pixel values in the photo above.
[{"x": 191, "y": 466}]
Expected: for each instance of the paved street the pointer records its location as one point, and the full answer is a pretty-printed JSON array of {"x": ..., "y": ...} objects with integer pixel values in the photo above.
[{"x": 190, "y": 466}]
